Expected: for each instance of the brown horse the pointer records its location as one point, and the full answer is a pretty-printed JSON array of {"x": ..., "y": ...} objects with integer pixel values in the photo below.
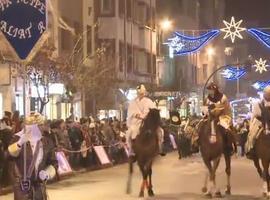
[
  {"x": 211, "y": 153},
  {"x": 146, "y": 149},
  {"x": 262, "y": 152}
]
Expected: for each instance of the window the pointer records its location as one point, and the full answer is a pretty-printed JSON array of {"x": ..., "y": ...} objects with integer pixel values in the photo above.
[
  {"x": 106, "y": 6},
  {"x": 136, "y": 14},
  {"x": 129, "y": 59},
  {"x": 65, "y": 38},
  {"x": 153, "y": 18},
  {"x": 154, "y": 64},
  {"x": 77, "y": 41},
  {"x": 194, "y": 74},
  {"x": 121, "y": 8},
  {"x": 205, "y": 70},
  {"x": 142, "y": 61},
  {"x": 121, "y": 56},
  {"x": 89, "y": 11},
  {"x": 129, "y": 9},
  {"x": 89, "y": 40},
  {"x": 142, "y": 13},
  {"x": 148, "y": 17},
  {"x": 149, "y": 64}
]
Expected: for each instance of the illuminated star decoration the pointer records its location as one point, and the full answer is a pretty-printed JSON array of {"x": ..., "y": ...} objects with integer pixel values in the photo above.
[
  {"x": 234, "y": 73},
  {"x": 182, "y": 44},
  {"x": 233, "y": 29},
  {"x": 261, "y": 65},
  {"x": 260, "y": 85}
]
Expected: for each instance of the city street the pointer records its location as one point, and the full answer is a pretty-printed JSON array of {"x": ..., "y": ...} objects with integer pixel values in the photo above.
[{"x": 173, "y": 180}]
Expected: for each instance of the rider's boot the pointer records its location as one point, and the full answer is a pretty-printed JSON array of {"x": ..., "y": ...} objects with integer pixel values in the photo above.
[
  {"x": 161, "y": 150},
  {"x": 250, "y": 154},
  {"x": 132, "y": 155}
]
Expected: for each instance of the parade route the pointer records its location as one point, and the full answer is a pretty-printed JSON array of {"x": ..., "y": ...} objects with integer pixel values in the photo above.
[{"x": 173, "y": 180}]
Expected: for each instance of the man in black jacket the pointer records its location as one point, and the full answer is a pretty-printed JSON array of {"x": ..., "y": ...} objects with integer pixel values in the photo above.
[{"x": 33, "y": 160}]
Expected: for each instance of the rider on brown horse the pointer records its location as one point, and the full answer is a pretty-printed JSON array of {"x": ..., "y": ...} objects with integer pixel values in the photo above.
[
  {"x": 260, "y": 119},
  {"x": 219, "y": 108}
]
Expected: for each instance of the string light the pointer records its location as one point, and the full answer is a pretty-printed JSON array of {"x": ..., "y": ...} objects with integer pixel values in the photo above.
[
  {"x": 234, "y": 73},
  {"x": 261, "y": 36},
  {"x": 261, "y": 65},
  {"x": 233, "y": 29},
  {"x": 181, "y": 44},
  {"x": 260, "y": 85}
]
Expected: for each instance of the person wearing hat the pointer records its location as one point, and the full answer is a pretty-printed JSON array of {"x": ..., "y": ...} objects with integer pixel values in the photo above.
[
  {"x": 260, "y": 118},
  {"x": 137, "y": 111},
  {"x": 33, "y": 160},
  {"x": 219, "y": 106}
]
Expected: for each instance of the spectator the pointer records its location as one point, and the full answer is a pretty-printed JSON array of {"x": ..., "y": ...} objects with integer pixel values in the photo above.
[
  {"x": 76, "y": 140},
  {"x": 86, "y": 144},
  {"x": 16, "y": 123},
  {"x": 6, "y": 122}
]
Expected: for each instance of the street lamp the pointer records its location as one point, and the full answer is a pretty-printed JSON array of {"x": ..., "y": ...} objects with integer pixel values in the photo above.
[
  {"x": 210, "y": 51},
  {"x": 164, "y": 26}
]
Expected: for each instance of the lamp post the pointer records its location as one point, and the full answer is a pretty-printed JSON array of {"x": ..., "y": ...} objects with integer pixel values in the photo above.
[{"x": 164, "y": 25}]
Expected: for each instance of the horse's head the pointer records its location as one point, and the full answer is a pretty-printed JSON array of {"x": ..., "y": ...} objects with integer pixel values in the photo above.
[{"x": 152, "y": 119}]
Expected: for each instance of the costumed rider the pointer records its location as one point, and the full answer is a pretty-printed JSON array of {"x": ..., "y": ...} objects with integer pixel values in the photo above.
[
  {"x": 260, "y": 121},
  {"x": 219, "y": 107},
  {"x": 33, "y": 160},
  {"x": 137, "y": 111}
]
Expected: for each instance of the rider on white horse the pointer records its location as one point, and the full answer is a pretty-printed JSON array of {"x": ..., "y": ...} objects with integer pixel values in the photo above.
[
  {"x": 260, "y": 121},
  {"x": 137, "y": 111}
]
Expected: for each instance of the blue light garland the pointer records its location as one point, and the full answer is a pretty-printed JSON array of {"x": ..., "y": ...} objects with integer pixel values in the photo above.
[
  {"x": 182, "y": 44},
  {"x": 261, "y": 36},
  {"x": 260, "y": 85},
  {"x": 234, "y": 73}
]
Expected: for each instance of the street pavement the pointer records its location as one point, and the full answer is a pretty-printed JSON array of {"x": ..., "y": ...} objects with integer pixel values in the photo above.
[{"x": 173, "y": 179}]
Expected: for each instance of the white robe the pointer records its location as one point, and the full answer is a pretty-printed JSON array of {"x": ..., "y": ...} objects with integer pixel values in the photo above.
[{"x": 140, "y": 107}]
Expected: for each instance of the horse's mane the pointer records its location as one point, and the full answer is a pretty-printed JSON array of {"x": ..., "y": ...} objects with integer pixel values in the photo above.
[{"x": 151, "y": 122}]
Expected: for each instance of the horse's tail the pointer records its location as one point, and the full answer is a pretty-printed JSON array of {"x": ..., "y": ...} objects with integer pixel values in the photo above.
[{"x": 130, "y": 173}]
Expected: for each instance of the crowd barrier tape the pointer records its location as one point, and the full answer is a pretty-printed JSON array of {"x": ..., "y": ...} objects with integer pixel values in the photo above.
[{"x": 87, "y": 148}]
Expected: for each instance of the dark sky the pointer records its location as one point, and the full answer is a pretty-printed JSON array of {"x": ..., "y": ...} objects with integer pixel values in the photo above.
[{"x": 253, "y": 12}]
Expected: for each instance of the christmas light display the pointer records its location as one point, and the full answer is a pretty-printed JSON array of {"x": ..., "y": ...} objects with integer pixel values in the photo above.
[
  {"x": 261, "y": 36},
  {"x": 261, "y": 65},
  {"x": 233, "y": 29},
  {"x": 234, "y": 73},
  {"x": 260, "y": 85},
  {"x": 182, "y": 44}
]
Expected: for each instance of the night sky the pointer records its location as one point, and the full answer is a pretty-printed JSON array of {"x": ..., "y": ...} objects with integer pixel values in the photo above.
[{"x": 253, "y": 12}]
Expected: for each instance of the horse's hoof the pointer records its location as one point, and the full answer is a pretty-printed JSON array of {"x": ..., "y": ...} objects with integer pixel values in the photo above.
[
  {"x": 151, "y": 193},
  {"x": 228, "y": 191},
  {"x": 218, "y": 195},
  {"x": 204, "y": 190},
  {"x": 128, "y": 191},
  {"x": 141, "y": 195},
  {"x": 208, "y": 195}
]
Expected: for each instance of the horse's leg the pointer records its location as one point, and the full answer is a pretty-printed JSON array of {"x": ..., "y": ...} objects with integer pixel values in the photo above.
[
  {"x": 129, "y": 176},
  {"x": 210, "y": 171},
  {"x": 144, "y": 182},
  {"x": 227, "y": 157},
  {"x": 204, "y": 189},
  {"x": 258, "y": 167},
  {"x": 150, "y": 188},
  {"x": 265, "y": 164},
  {"x": 215, "y": 166}
]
